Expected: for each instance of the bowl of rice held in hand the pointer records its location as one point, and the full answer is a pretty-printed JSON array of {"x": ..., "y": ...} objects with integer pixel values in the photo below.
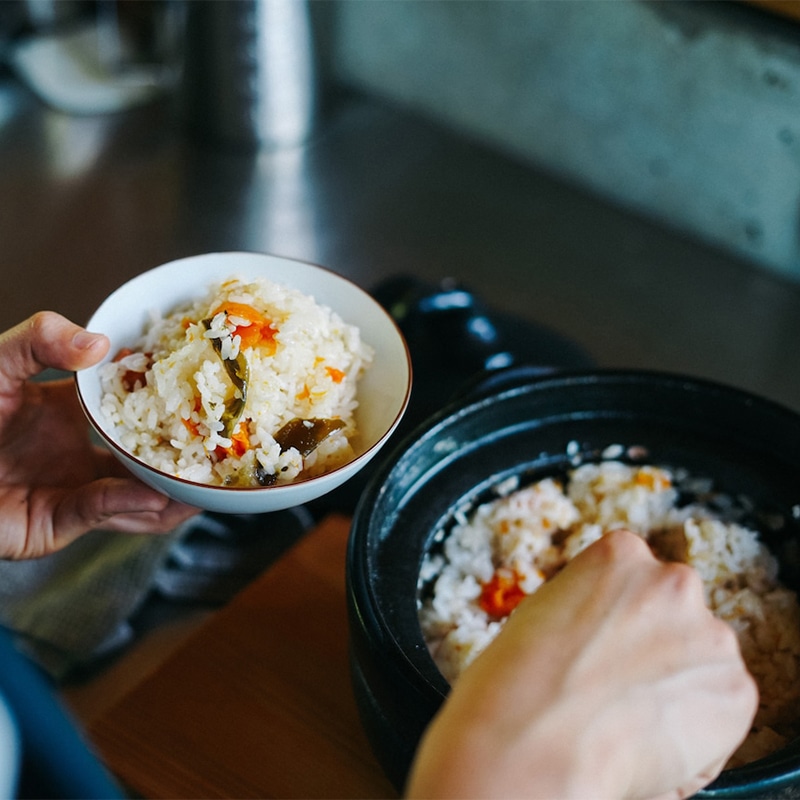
[
  {"x": 495, "y": 494},
  {"x": 244, "y": 382}
]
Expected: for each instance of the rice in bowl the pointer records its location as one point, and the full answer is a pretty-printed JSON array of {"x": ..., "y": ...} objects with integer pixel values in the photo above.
[
  {"x": 495, "y": 554},
  {"x": 253, "y": 384}
]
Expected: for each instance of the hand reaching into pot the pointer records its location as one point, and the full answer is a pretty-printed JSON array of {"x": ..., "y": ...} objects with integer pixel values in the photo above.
[
  {"x": 612, "y": 681},
  {"x": 54, "y": 484}
]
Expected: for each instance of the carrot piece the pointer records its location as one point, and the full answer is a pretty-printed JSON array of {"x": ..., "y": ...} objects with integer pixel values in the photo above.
[
  {"x": 260, "y": 331},
  {"x": 502, "y": 594},
  {"x": 240, "y": 444},
  {"x": 191, "y": 426},
  {"x": 651, "y": 479},
  {"x": 336, "y": 375}
]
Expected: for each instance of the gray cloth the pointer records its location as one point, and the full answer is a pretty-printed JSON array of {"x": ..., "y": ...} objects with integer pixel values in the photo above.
[
  {"x": 76, "y": 606},
  {"x": 73, "y": 606}
]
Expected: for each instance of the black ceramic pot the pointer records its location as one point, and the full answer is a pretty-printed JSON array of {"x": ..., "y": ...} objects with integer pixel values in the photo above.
[{"x": 532, "y": 427}]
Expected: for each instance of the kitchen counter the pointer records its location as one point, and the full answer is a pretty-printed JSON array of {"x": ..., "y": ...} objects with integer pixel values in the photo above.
[{"x": 88, "y": 202}]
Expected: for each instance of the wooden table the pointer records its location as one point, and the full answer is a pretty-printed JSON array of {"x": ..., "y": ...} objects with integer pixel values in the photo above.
[{"x": 257, "y": 701}]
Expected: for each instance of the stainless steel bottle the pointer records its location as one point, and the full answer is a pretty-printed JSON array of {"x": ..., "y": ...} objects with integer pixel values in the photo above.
[{"x": 249, "y": 77}]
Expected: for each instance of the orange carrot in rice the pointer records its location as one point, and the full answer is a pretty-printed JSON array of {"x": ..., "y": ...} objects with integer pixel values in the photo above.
[
  {"x": 501, "y": 594},
  {"x": 336, "y": 375},
  {"x": 260, "y": 331}
]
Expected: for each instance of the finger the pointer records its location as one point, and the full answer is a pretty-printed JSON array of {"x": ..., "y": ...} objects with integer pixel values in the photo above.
[
  {"x": 592, "y": 580},
  {"x": 151, "y": 522},
  {"x": 619, "y": 544},
  {"x": 706, "y": 735},
  {"x": 112, "y": 500},
  {"x": 121, "y": 504},
  {"x": 691, "y": 788},
  {"x": 694, "y": 785},
  {"x": 46, "y": 340}
]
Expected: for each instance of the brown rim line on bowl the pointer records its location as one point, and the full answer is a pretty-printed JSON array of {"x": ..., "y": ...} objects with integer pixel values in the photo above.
[
  {"x": 383, "y": 391},
  {"x": 532, "y": 429}
]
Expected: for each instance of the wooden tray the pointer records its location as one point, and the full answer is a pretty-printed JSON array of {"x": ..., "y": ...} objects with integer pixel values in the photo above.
[{"x": 257, "y": 702}]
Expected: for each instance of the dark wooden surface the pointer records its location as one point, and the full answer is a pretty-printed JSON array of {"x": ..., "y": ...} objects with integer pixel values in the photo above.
[{"x": 257, "y": 701}]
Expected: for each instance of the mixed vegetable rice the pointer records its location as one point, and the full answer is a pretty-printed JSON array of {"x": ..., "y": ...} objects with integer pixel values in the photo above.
[{"x": 253, "y": 384}]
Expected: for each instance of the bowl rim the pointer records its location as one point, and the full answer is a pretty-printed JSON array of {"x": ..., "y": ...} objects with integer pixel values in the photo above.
[{"x": 274, "y": 491}]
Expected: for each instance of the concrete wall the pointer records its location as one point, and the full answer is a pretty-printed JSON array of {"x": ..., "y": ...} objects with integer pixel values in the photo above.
[{"x": 687, "y": 112}]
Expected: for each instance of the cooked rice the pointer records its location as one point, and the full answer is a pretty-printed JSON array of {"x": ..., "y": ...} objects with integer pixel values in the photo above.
[
  {"x": 528, "y": 534},
  {"x": 170, "y": 395}
]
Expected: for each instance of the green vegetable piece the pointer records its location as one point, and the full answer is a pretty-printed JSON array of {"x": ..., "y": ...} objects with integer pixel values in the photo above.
[
  {"x": 305, "y": 435},
  {"x": 239, "y": 373}
]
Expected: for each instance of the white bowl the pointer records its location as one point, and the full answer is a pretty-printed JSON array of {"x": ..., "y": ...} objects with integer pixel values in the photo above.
[{"x": 383, "y": 391}]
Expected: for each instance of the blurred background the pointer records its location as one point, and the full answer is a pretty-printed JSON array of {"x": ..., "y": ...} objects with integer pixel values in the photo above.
[{"x": 625, "y": 174}]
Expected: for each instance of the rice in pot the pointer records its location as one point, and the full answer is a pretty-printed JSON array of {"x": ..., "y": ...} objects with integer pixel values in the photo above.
[
  {"x": 253, "y": 384},
  {"x": 507, "y": 547}
]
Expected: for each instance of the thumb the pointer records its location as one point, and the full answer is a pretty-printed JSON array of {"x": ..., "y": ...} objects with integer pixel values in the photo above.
[{"x": 47, "y": 340}]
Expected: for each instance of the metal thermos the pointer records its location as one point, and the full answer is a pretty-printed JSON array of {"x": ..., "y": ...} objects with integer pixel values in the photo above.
[{"x": 249, "y": 77}]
